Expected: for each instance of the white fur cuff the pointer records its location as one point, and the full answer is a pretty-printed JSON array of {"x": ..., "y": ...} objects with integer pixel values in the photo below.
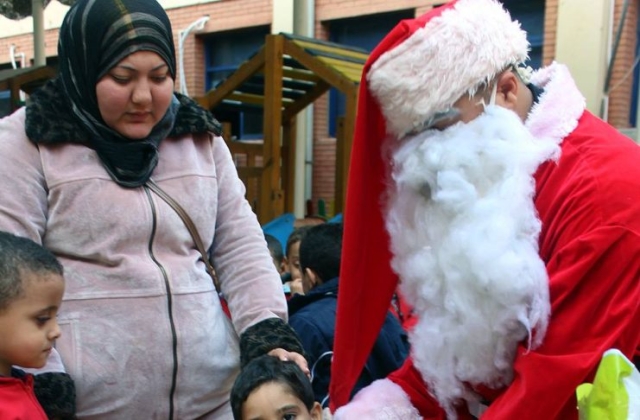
[{"x": 382, "y": 400}]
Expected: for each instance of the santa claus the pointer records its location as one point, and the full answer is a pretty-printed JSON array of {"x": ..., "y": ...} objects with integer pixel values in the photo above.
[{"x": 508, "y": 215}]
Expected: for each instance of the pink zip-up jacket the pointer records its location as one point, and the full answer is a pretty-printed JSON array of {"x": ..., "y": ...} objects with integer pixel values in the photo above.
[{"x": 141, "y": 320}]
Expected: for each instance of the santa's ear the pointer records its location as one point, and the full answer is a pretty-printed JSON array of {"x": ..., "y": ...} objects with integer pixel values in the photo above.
[{"x": 508, "y": 88}]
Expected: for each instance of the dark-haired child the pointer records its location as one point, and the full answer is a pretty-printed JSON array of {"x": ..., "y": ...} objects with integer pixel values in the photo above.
[
  {"x": 31, "y": 289},
  {"x": 313, "y": 315},
  {"x": 275, "y": 249},
  {"x": 292, "y": 260},
  {"x": 271, "y": 389}
]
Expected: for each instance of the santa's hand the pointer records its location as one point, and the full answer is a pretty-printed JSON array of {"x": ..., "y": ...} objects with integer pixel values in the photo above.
[{"x": 285, "y": 355}]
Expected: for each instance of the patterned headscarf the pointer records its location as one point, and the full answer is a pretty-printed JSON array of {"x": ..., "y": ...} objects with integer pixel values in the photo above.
[{"x": 95, "y": 36}]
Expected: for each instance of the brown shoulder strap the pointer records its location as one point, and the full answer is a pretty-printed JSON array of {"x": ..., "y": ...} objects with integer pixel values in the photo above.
[{"x": 190, "y": 226}]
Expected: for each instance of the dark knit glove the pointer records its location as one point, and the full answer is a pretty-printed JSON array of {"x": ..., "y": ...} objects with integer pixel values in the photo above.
[
  {"x": 261, "y": 338},
  {"x": 56, "y": 393}
]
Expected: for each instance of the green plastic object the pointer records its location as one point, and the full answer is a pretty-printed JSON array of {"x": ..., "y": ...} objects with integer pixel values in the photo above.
[{"x": 615, "y": 392}]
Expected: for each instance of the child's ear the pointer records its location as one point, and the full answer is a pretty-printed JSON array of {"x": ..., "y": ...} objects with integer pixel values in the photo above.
[
  {"x": 312, "y": 276},
  {"x": 316, "y": 411}
]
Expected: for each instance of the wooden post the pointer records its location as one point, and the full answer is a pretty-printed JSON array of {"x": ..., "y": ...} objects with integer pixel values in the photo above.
[
  {"x": 289, "y": 176},
  {"x": 14, "y": 95},
  {"x": 226, "y": 131},
  {"x": 271, "y": 202},
  {"x": 344, "y": 140}
]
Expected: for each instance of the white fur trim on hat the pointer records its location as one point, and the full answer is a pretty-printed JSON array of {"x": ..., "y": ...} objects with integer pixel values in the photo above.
[
  {"x": 382, "y": 400},
  {"x": 450, "y": 56}
]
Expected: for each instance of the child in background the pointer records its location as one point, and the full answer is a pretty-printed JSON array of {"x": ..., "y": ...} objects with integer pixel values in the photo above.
[
  {"x": 313, "y": 315},
  {"x": 292, "y": 260},
  {"x": 275, "y": 249},
  {"x": 271, "y": 389},
  {"x": 31, "y": 289}
]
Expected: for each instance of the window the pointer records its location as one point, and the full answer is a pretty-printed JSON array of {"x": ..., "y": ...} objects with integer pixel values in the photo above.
[
  {"x": 530, "y": 14},
  {"x": 224, "y": 52},
  {"x": 363, "y": 32}
]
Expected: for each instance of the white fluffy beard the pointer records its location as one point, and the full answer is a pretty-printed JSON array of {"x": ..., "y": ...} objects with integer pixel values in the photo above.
[{"x": 464, "y": 235}]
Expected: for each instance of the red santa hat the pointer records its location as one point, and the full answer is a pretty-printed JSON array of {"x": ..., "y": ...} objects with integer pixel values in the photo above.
[{"x": 421, "y": 67}]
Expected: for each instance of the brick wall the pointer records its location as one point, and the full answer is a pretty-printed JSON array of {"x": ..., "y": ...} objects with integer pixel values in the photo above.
[
  {"x": 223, "y": 16},
  {"x": 24, "y": 44},
  {"x": 550, "y": 31},
  {"x": 621, "y": 77},
  {"x": 340, "y": 9}
]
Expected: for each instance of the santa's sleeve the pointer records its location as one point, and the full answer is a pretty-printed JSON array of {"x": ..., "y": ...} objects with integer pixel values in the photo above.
[
  {"x": 595, "y": 306},
  {"x": 402, "y": 395}
]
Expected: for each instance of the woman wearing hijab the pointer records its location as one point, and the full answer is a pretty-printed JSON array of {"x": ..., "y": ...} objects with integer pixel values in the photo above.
[{"x": 144, "y": 334}]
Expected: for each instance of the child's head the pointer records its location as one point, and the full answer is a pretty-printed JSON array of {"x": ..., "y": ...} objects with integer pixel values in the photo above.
[
  {"x": 271, "y": 389},
  {"x": 293, "y": 252},
  {"x": 320, "y": 251},
  {"x": 275, "y": 249},
  {"x": 31, "y": 289}
]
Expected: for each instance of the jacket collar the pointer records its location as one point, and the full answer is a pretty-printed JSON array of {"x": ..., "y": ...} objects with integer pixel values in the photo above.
[{"x": 328, "y": 288}]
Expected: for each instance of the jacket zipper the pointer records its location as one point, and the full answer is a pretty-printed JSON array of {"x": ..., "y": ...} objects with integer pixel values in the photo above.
[{"x": 174, "y": 336}]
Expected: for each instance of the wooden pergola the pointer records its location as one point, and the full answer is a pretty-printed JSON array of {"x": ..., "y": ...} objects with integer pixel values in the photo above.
[
  {"x": 26, "y": 79},
  {"x": 285, "y": 76}
]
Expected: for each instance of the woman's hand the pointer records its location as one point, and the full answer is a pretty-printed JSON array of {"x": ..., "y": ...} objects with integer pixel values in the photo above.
[{"x": 285, "y": 355}]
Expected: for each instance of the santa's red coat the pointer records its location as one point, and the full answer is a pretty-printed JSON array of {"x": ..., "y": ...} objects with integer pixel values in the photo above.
[{"x": 589, "y": 205}]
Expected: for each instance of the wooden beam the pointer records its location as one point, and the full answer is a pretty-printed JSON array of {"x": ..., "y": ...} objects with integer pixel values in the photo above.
[
  {"x": 250, "y": 172},
  {"x": 26, "y": 78},
  {"x": 245, "y": 71},
  {"x": 292, "y": 110},
  {"x": 342, "y": 64},
  {"x": 226, "y": 133},
  {"x": 271, "y": 203},
  {"x": 331, "y": 49},
  {"x": 249, "y": 98},
  {"x": 245, "y": 98},
  {"x": 324, "y": 70},
  {"x": 353, "y": 74},
  {"x": 298, "y": 74},
  {"x": 14, "y": 94},
  {"x": 245, "y": 148}
]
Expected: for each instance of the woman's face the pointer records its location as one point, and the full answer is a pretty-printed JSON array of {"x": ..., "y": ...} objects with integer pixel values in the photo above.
[{"x": 135, "y": 94}]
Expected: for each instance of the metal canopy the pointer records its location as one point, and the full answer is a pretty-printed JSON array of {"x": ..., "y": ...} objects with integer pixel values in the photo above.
[{"x": 285, "y": 76}]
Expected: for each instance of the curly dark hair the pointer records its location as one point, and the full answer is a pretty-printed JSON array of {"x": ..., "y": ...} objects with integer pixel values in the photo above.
[{"x": 17, "y": 256}]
